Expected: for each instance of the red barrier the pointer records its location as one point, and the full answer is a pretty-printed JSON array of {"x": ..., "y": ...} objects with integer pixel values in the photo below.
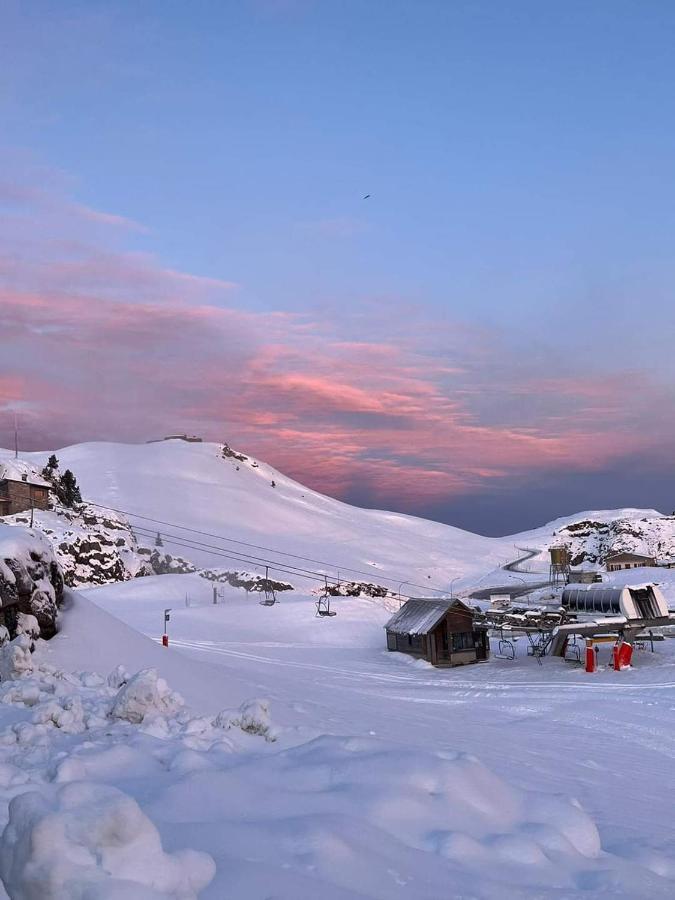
[
  {"x": 590, "y": 658},
  {"x": 615, "y": 657},
  {"x": 165, "y": 640},
  {"x": 625, "y": 655}
]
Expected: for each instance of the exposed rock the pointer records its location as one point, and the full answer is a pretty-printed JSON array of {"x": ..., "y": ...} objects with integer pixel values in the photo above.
[
  {"x": 156, "y": 563},
  {"x": 31, "y": 583},
  {"x": 246, "y": 580},
  {"x": 229, "y": 453}
]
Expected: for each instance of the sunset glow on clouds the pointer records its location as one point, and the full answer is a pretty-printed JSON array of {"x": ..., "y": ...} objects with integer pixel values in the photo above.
[{"x": 104, "y": 342}]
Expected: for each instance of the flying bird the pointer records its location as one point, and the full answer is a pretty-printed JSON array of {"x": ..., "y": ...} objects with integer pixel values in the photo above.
[{"x": 366, "y": 197}]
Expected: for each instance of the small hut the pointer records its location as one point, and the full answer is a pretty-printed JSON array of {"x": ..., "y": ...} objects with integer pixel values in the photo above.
[
  {"x": 444, "y": 632},
  {"x": 21, "y": 488}
]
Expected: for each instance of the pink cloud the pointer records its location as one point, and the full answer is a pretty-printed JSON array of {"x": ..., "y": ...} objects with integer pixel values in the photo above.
[{"x": 102, "y": 342}]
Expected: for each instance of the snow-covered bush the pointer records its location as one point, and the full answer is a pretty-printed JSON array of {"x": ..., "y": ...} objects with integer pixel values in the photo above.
[
  {"x": 92, "y": 841},
  {"x": 16, "y": 659},
  {"x": 144, "y": 696},
  {"x": 253, "y": 717}
]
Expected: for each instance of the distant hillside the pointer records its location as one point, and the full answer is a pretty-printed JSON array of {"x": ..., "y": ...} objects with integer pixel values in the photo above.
[
  {"x": 221, "y": 492},
  {"x": 234, "y": 501},
  {"x": 592, "y": 541}
]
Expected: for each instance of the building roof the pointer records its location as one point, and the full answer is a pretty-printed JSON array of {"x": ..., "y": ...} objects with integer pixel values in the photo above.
[
  {"x": 420, "y": 616},
  {"x": 16, "y": 469},
  {"x": 626, "y": 556}
]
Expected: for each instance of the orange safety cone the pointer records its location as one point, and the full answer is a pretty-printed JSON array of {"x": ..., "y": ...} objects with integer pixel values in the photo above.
[
  {"x": 590, "y": 657},
  {"x": 165, "y": 640}
]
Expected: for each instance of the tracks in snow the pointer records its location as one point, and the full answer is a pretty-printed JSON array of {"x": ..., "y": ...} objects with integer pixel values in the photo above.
[{"x": 450, "y": 684}]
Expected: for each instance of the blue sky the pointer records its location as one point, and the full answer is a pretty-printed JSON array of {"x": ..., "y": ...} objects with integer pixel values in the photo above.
[{"x": 519, "y": 161}]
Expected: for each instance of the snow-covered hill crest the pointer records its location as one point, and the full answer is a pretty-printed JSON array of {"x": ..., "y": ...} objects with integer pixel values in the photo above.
[{"x": 219, "y": 509}]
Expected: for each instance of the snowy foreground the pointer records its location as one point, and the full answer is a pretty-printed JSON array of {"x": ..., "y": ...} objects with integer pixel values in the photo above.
[{"x": 375, "y": 777}]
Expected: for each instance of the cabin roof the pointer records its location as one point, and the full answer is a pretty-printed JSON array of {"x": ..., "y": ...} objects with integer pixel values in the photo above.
[
  {"x": 626, "y": 556},
  {"x": 420, "y": 616},
  {"x": 16, "y": 469}
]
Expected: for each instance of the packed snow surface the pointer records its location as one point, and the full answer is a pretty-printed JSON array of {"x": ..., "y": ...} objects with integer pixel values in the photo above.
[{"x": 357, "y": 774}]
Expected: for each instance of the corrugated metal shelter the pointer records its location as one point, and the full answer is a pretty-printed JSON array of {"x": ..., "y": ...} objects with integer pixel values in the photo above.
[
  {"x": 444, "y": 632},
  {"x": 635, "y": 602}
]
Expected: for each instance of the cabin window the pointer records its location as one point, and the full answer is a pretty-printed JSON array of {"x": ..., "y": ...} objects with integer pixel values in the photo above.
[{"x": 462, "y": 640}]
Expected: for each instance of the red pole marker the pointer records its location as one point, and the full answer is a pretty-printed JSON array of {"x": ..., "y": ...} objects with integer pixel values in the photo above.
[
  {"x": 590, "y": 657},
  {"x": 165, "y": 640}
]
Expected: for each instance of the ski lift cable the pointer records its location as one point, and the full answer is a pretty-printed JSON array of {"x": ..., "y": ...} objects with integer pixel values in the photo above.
[
  {"x": 393, "y": 578},
  {"x": 248, "y": 560},
  {"x": 194, "y": 544}
]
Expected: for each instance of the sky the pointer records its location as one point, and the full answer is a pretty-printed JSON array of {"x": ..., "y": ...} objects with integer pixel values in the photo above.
[{"x": 187, "y": 244}]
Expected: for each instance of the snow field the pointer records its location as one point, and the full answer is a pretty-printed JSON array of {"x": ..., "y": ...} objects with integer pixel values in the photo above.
[
  {"x": 336, "y": 812},
  {"x": 538, "y": 729}
]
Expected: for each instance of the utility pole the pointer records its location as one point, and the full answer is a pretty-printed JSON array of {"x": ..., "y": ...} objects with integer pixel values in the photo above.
[{"x": 16, "y": 437}]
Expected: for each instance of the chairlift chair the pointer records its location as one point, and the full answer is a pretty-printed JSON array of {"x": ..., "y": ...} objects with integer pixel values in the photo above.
[
  {"x": 507, "y": 646},
  {"x": 270, "y": 595},
  {"x": 323, "y": 603}
]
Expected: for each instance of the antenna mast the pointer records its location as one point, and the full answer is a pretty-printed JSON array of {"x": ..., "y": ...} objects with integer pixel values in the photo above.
[{"x": 16, "y": 437}]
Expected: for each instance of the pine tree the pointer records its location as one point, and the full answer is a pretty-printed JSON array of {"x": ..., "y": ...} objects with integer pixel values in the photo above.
[
  {"x": 51, "y": 468},
  {"x": 69, "y": 492}
]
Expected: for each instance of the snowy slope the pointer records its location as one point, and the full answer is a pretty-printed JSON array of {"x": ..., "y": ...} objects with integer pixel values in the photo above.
[
  {"x": 195, "y": 485},
  {"x": 221, "y": 492}
]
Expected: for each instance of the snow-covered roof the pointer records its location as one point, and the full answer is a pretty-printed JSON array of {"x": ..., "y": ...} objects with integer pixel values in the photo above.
[
  {"x": 626, "y": 556},
  {"x": 419, "y": 616},
  {"x": 18, "y": 470}
]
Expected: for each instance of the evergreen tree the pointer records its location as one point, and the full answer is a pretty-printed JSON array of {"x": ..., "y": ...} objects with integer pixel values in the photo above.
[
  {"x": 69, "y": 492},
  {"x": 51, "y": 468}
]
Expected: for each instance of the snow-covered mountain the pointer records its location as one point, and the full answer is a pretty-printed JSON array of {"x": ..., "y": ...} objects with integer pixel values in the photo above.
[
  {"x": 219, "y": 492},
  {"x": 232, "y": 500}
]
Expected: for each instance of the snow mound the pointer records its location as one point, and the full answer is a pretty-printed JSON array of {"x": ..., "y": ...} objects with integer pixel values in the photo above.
[
  {"x": 144, "y": 696},
  {"x": 15, "y": 658},
  {"x": 253, "y": 717},
  {"x": 348, "y": 810},
  {"x": 92, "y": 841}
]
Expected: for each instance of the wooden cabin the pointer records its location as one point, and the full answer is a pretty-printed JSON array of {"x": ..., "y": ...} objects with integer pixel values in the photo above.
[
  {"x": 21, "y": 488},
  {"x": 444, "y": 632},
  {"x": 618, "y": 561}
]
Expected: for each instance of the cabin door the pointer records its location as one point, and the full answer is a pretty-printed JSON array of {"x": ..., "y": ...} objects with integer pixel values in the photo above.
[
  {"x": 480, "y": 640},
  {"x": 442, "y": 649}
]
